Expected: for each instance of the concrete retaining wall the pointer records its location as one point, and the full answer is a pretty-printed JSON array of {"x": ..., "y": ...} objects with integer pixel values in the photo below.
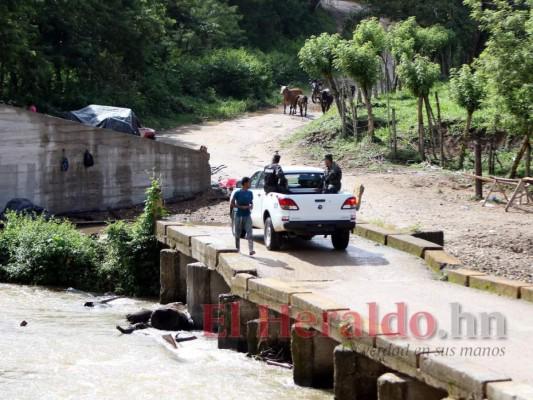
[{"x": 31, "y": 150}]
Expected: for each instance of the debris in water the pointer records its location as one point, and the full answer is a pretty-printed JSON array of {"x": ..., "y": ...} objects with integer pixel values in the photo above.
[
  {"x": 279, "y": 364},
  {"x": 170, "y": 340},
  {"x": 184, "y": 339},
  {"x": 91, "y": 303},
  {"x": 134, "y": 327}
]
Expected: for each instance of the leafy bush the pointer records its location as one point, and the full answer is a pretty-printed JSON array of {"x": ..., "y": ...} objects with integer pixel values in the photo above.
[
  {"x": 237, "y": 73},
  {"x": 132, "y": 251},
  {"x": 47, "y": 252},
  {"x": 52, "y": 252}
]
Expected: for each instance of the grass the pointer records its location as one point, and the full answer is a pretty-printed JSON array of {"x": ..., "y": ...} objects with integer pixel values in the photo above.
[
  {"x": 324, "y": 134},
  {"x": 203, "y": 110}
]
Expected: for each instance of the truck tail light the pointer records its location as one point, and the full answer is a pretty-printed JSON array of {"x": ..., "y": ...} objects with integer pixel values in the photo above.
[
  {"x": 287, "y": 204},
  {"x": 350, "y": 204}
]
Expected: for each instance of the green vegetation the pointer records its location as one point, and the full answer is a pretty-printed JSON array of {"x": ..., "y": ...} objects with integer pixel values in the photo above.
[
  {"x": 325, "y": 134},
  {"x": 34, "y": 250},
  {"x": 468, "y": 91},
  {"x": 37, "y": 251},
  {"x": 384, "y": 61},
  {"x": 169, "y": 60},
  {"x": 463, "y": 37},
  {"x": 317, "y": 58}
]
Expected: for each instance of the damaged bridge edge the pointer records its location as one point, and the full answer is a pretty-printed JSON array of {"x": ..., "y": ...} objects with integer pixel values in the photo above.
[
  {"x": 241, "y": 277},
  {"x": 437, "y": 259}
]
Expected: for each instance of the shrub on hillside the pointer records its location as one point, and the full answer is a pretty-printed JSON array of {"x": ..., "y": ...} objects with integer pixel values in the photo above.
[{"x": 237, "y": 73}]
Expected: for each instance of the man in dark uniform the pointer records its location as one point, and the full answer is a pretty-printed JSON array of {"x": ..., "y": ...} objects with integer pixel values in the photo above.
[
  {"x": 332, "y": 175},
  {"x": 275, "y": 180}
]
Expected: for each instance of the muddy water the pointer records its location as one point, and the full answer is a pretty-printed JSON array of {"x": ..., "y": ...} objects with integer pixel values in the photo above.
[{"x": 68, "y": 351}]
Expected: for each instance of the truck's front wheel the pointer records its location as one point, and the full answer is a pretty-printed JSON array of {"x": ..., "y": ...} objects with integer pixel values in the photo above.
[
  {"x": 272, "y": 238},
  {"x": 340, "y": 239}
]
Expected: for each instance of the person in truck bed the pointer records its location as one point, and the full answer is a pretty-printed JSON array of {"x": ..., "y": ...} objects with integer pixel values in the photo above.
[
  {"x": 332, "y": 175},
  {"x": 275, "y": 180}
]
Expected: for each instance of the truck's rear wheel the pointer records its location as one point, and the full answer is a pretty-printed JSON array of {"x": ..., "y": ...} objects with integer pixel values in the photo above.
[
  {"x": 272, "y": 238},
  {"x": 340, "y": 239}
]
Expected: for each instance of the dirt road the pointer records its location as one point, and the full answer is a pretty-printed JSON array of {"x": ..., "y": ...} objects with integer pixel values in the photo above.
[
  {"x": 486, "y": 239},
  {"x": 243, "y": 144}
]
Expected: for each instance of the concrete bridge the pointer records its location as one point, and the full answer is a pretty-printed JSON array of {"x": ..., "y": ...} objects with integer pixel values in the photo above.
[{"x": 337, "y": 306}]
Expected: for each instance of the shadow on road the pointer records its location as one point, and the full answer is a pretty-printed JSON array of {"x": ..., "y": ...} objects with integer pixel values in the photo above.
[{"x": 320, "y": 253}]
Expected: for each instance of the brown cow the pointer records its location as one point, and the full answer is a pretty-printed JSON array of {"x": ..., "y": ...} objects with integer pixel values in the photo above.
[
  {"x": 289, "y": 98},
  {"x": 301, "y": 102}
]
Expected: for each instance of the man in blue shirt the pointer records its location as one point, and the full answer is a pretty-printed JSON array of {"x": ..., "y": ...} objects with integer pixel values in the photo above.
[{"x": 241, "y": 205}]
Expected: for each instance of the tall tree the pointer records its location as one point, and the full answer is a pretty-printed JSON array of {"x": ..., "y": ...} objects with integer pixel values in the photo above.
[
  {"x": 451, "y": 14},
  {"x": 507, "y": 59},
  {"x": 361, "y": 63},
  {"x": 468, "y": 90},
  {"x": 419, "y": 75},
  {"x": 317, "y": 58}
]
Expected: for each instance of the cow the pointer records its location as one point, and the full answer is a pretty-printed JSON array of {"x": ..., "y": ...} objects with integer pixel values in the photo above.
[
  {"x": 301, "y": 102},
  {"x": 316, "y": 89},
  {"x": 289, "y": 98},
  {"x": 326, "y": 100}
]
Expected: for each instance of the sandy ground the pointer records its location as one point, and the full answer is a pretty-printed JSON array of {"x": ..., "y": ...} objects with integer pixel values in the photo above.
[{"x": 484, "y": 238}]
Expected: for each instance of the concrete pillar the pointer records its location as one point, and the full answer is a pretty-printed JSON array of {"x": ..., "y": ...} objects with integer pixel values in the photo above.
[
  {"x": 198, "y": 292},
  {"x": 184, "y": 260},
  {"x": 169, "y": 273},
  {"x": 312, "y": 357},
  {"x": 393, "y": 386},
  {"x": 356, "y": 376},
  {"x": 252, "y": 336},
  {"x": 269, "y": 332},
  {"x": 235, "y": 313},
  {"x": 217, "y": 286}
]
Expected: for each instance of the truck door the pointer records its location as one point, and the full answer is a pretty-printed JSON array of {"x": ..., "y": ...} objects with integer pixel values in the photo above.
[{"x": 257, "y": 187}]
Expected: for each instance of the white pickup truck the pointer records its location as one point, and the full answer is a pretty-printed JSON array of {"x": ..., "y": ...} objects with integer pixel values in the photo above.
[{"x": 304, "y": 211}]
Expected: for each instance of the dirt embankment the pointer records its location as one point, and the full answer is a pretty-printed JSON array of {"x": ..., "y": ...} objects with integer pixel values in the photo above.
[{"x": 485, "y": 238}]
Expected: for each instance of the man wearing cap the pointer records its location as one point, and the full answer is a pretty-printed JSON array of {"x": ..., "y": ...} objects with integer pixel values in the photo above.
[{"x": 332, "y": 175}]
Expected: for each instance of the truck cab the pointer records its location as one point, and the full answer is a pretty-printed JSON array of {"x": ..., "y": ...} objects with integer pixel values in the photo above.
[{"x": 303, "y": 211}]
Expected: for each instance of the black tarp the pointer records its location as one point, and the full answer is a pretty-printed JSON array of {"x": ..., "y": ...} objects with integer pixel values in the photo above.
[
  {"x": 23, "y": 206},
  {"x": 116, "y": 118}
]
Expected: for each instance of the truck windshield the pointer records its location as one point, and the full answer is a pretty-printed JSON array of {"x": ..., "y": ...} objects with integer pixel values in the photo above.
[{"x": 305, "y": 182}]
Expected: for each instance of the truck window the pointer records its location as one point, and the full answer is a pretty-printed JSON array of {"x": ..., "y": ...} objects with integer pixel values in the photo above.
[
  {"x": 255, "y": 178},
  {"x": 305, "y": 182}
]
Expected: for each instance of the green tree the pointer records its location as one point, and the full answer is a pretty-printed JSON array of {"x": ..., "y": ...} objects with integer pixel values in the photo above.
[
  {"x": 507, "y": 60},
  {"x": 317, "y": 58},
  {"x": 419, "y": 75},
  {"x": 468, "y": 90},
  {"x": 361, "y": 63},
  {"x": 407, "y": 38},
  {"x": 269, "y": 23},
  {"x": 450, "y": 14},
  {"x": 371, "y": 31}
]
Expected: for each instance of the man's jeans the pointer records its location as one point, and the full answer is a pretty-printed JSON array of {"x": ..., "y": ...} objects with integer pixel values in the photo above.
[{"x": 243, "y": 224}]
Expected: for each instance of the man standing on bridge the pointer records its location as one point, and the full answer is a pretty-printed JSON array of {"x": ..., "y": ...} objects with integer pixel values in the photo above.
[
  {"x": 332, "y": 175},
  {"x": 241, "y": 206}
]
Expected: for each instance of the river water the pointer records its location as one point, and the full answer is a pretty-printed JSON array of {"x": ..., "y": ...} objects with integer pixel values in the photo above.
[{"x": 68, "y": 351}]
